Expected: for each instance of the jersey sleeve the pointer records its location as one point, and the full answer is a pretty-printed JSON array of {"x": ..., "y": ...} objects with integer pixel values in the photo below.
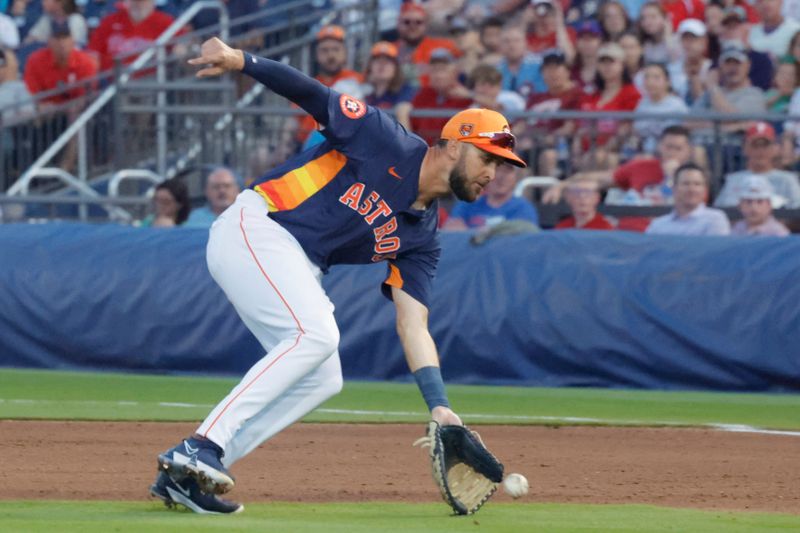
[
  {"x": 413, "y": 272},
  {"x": 359, "y": 130}
]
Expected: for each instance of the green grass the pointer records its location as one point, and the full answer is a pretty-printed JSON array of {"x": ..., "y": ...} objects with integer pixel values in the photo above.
[
  {"x": 88, "y": 396},
  {"x": 90, "y": 517}
]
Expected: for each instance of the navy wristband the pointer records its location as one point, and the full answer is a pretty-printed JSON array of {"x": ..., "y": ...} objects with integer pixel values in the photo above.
[{"x": 429, "y": 381}]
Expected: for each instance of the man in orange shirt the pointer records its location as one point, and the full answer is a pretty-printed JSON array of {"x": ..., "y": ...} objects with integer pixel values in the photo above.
[
  {"x": 331, "y": 56},
  {"x": 415, "y": 47},
  {"x": 59, "y": 64}
]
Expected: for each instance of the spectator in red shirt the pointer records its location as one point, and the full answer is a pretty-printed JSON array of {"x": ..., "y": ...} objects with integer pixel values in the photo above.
[
  {"x": 613, "y": 19},
  {"x": 679, "y": 10},
  {"x": 130, "y": 30},
  {"x": 648, "y": 180},
  {"x": 59, "y": 64},
  {"x": 444, "y": 92},
  {"x": 615, "y": 92},
  {"x": 583, "y": 197},
  {"x": 415, "y": 47},
  {"x": 547, "y": 29}
]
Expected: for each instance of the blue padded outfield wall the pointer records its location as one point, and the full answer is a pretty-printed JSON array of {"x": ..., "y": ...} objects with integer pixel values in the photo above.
[{"x": 554, "y": 309}]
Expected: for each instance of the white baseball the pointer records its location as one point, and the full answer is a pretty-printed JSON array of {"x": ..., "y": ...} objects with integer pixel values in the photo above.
[{"x": 515, "y": 485}]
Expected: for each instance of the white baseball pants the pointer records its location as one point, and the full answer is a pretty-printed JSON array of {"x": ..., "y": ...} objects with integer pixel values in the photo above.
[{"x": 276, "y": 290}]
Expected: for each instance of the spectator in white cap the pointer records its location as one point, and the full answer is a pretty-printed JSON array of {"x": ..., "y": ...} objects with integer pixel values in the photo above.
[
  {"x": 755, "y": 204},
  {"x": 761, "y": 150},
  {"x": 774, "y": 32},
  {"x": 688, "y": 74}
]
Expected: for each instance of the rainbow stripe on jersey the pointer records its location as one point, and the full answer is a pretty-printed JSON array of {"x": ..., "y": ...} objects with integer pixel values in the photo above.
[{"x": 297, "y": 186}]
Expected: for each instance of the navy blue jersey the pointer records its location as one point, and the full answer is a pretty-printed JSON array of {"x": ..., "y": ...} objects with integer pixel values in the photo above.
[{"x": 348, "y": 200}]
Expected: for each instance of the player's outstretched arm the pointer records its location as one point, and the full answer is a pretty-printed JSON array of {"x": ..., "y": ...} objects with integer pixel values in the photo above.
[
  {"x": 421, "y": 356},
  {"x": 217, "y": 58}
]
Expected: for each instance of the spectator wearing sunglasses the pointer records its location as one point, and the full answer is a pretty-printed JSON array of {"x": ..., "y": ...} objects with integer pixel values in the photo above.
[{"x": 414, "y": 45}]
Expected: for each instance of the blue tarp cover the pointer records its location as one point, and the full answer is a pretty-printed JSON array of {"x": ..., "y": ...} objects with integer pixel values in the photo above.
[{"x": 553, "y": 309}]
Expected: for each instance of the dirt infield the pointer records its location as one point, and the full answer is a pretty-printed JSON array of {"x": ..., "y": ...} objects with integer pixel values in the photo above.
[{"x": 346, "y": 462}]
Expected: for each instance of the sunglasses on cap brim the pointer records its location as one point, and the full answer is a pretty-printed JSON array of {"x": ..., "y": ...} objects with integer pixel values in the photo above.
[{"x": 501, "y": 139}]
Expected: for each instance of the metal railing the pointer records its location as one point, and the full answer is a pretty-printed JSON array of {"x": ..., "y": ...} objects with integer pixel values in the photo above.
[
  {"x": 256, "y": 134},
  {"x": 109, "y": 138},
  {"x": 78, "y": 125}
]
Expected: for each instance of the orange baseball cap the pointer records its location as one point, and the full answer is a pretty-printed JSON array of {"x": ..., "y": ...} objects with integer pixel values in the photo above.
[
  {"x": 487, "y": 130},
  {"x": 411, "y": 7},
  {"x": 331, "y": 32},
  {"x": 384, "y": 48}
]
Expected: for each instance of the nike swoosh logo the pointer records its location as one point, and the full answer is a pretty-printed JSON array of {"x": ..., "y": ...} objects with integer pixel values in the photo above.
[
  {"x": 183, "y": 491},
  {"x": 394, "y": 173},
  {"x": 189, "y": 449}
]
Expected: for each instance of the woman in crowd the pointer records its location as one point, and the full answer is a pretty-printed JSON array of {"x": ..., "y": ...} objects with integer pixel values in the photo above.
[
  {"x": 655, "y": 32},
  {"x": 584, "y": 68},
  {"x": 60, "y": 11},
  {"x": 634, "y": 58},
  {"x": 615, "y": 92},
  {"x": 657, "y": 98},
  {"x": 613, "y": 19},
  {"x": 171, "y": 204},
  {"x": 386, "y": 85}
]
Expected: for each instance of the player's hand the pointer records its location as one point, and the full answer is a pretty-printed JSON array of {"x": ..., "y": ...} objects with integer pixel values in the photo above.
[
  {"x": 218, "y": 58},
  {"x": 445, "y": 416}
]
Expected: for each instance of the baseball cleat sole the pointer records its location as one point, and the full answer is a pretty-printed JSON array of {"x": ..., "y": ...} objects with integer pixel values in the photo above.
[{"x": 210, "y": 479}]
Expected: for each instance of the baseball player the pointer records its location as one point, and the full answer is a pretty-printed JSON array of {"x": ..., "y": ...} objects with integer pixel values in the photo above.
[{"x": 367, "y": 194}]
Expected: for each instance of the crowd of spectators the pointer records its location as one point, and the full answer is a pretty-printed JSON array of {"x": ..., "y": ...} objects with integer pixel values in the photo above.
[
  {"x": 670, "y": 58},
  {"x": 172, "y": 205}
]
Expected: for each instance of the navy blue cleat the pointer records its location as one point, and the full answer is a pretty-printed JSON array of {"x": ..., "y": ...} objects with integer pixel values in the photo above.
[
  {"x": 200, "y": 460},
  {"x": 188, "y": 494}
]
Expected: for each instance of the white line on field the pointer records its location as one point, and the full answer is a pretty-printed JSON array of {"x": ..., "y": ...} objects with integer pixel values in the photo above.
[{"x": 734, "y": 428}]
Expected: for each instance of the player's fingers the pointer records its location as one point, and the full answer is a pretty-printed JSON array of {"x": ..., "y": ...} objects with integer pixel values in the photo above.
[
  {"x": 212, "y": 58},
  {"x": 210, "y": 72}
]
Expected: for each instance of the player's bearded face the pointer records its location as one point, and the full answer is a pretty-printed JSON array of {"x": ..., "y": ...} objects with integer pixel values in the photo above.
[{"x": 459, "y": 182}]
